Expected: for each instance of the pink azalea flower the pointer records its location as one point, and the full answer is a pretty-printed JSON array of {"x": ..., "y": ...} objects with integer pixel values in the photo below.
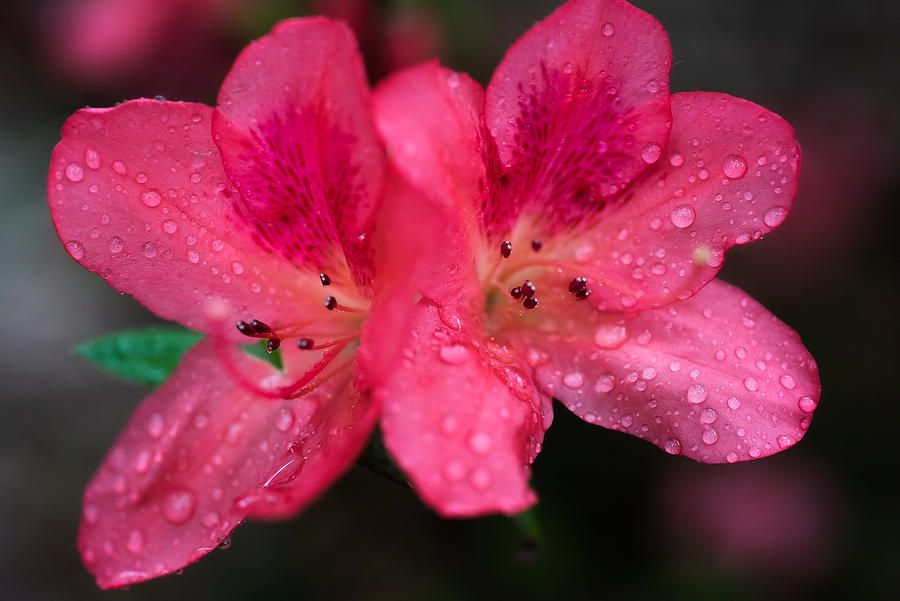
[
  {"x": 260, "y": 209},
  {"x": 587, "y": 212}
]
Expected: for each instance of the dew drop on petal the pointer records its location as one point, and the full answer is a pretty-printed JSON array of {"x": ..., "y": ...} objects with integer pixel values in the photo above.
[
  {"x": 775, "y": 216},
  {"x": 92, "y": 158},
  {"x": 454, "y": 470},
  {"x": 116, "y": 244},
  {"x": 735, "y": 166},
  {"x": 733, "y": 403},
  {"x": 75, "y": 249},
  {"x": 573, "y": 380},
  {"x": 610, "y": 335},
  {"x": 608, "y": 29},
  {"x": 709, "y": 415},
  {"x": 683, "y": 216},
  {"x": 155, "y": 425},
  {"x": 807, "y": 404},
  {"x": 74, "y": 172},
  {"x": 651, "y": 153},
  {"x": 673, "y": 446},
  {"x": 454, "y": 354},
  {"x": 731, "y": 457},
  {"x": 677, "y": 159},
  {"x": 784, "y": 442},
  {"x": 480, "y": 443},
  {"x": 787, "y": 381},
  {"x": 178, "y": 505},
  {"x": 237, "y": 267},
  {"x": 605, "y": 383},
  {"x": 285, "y": 419},
  {"x": 696, "y": 394},
  {"x": 151, "y": 197},
  {"x": 135, "y": 541},
  {"x": 480, "y": 479},
  {"x": 751, "y": 384},
  {"x": 169, "y": 226},
  {"x": 710, "y": 436}
]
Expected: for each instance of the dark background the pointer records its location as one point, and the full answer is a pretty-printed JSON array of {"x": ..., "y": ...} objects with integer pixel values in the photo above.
[{"x": 618, "y": 518}]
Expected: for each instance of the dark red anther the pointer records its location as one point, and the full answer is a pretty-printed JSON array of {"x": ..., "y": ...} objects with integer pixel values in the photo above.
[
  {"x": 583, "y": 293},
  {"x": 530, "y": 302},
  {"x": 273, "y": 344},
  {"x": 260, "y": 327},
  {"x": 506, "y": 248},
  {"x": 577, "y": 284},
  {"x": 516, "y": 292},
  {"x": 528, "y": 289},
  {"x": 330, "y": 303},
  {"x": 304, "y": 344},
  {"x": 536, "y": 245},
  {"x": 245, "y": 328},
  {"x": 326, "y": 281}
]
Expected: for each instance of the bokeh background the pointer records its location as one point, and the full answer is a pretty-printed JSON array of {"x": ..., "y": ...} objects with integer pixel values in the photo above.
[{"x": 618, "y": 518}]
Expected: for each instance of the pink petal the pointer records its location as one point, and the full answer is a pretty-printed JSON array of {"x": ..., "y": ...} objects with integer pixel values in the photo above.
[
  {"x": 295, "y": 131},
  {"x": 716, "y": 377},
  {"x": 728, "y": 176},
  {"x": 462, "y": 418},
  {"x": 169, "y": 490},
  {"x": 138, "y": 195},
  {"x": 578, "y": 108},
  {"x": 430, "y": 119}
]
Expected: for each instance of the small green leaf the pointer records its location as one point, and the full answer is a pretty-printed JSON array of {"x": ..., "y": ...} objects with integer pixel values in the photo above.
[
  {"x": 259, "y": 351},
  {"x": 147, "y": 356}
]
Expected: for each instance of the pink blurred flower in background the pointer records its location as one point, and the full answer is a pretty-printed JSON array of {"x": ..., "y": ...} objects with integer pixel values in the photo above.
[
  {"x": 587, "y": 212},
  {"x": 782, "y": 520}
]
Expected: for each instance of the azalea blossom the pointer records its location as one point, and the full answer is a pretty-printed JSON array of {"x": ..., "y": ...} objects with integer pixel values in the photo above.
[
  {"x": 587, "y": 212},
  {"x": 260, "y": 213}
]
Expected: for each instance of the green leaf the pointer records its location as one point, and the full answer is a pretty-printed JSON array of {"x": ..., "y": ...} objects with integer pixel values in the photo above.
[
  {"x": 259, "y": 351},
  {"x": 147, "y": 356}
]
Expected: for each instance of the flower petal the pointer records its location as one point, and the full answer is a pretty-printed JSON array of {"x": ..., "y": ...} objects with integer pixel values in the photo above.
[
  {"x": 716, "y": 377},
  {"x": 728, "y": 176},
  {"x": 168, "y": 491},
  {"x": 430, "y": 119},
  {"x": 578, "y": 107},
  {"x": 296, "y": 135},
  {"x": 462, "y": 418},
  {"x": 138, "y": 195}
]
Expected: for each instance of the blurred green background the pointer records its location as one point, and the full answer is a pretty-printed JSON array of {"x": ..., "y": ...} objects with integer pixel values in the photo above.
[{"x": 618, "y": 518}]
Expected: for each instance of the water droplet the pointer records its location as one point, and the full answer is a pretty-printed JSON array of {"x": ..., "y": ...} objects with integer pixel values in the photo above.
[
  {"x": 141, "y": 178},
  {"x": 119, "y": 167},
  {"x": 683, "y": 216},
  {"x": 169, "y": 226},
  {"x": 784, "y": 442},
  {"x": 807, "y": 404},
  {"x": 673, "y": 446},
  {"x": 116, "y": 244},
  {"x": 135, "y": 541},
  {"x": 735, "y": 166},
  {"x": 178, "y": 505},
  {"x": 709, "y": 415},
  {"x": 196, "y": 177},
  {"x": 710, "y": 436},
  {"x": 480, "y": 479},
  {"x": 611, "y": 335},
  {"x": 454, "y": 470},
  {"x": 285, "y": 419},
  {"x": 676, "y": 160},
  {"x": 608, "y": 29},
  {"x": 733, "y": 403},
  {"x": 775, "y": 216},
  {"x": 75, "y": 249},
  {"x": 653, "y": 86},
  {"x": 696, "y": 394},
  {"x": 602, "y": 147},
  {"x": 651, "y": 153},
  {"x": 74, "y": 172},
  {"x": 237, "y": 267},
  {"x": 755, "y": 452},
  {"x": 573, "y": 380},
  {"x": 454, "y": 354},
  {"x": 201, "y": 420},
  {"x": 217, "y": 245},
  {"x": 91, "y": 514},
  {"x": 155, "y": 425},
  {"x": 751, "y": 384},
  {"x": 731, "y": 457},
  {"x": 149, "y": 250},
  {"x": 787, "y": 381},
  {"x": 151, "y": 197},
  {"x": 480, "y": 443},
  {"x": 605, "y": 383},
  {"x": 193, "y": 256},
  {"x": 92, "y": 158}
]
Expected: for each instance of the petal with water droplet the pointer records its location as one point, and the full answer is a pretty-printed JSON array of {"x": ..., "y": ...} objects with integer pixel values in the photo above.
[{"x": 717, "y": 410}]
